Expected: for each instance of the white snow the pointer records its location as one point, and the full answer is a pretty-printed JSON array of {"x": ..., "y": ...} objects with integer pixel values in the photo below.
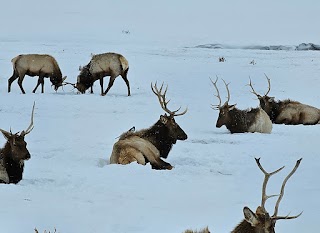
[{"x": 68, "y": 184}]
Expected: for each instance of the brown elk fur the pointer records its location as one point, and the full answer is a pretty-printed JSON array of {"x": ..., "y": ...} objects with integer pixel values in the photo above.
[
  {"x": 41, "y": 65},
  {"x": 101, "y": 65}
]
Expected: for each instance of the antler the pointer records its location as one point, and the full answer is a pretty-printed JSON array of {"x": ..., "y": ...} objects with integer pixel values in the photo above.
[
  {"x": 162, "y": 100},
  {"x": 267, "y": 175},
  {"x": 253, "y": 91},
  {"x": 216, "y": 107},
  {"x": 268, "y": 85},
  {"x": 30, "y": 127},
  {"x": 274, "y": 216}
]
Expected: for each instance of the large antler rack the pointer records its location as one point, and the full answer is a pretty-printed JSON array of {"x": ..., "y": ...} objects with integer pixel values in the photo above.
[
  {"x": 218, "y": 106},
  {"x": 162, "y": 100},
  {"x": 265, "y": 197},
  {"x": 254, "y": 92}
]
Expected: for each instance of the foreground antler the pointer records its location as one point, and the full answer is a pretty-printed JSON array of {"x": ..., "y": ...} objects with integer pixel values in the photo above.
[
  {"x": 31, "y": 126},
  {"x": 216, "y": 107},
  {"x": 265, "y": 197},
  {"x": 162, "y": 100}
]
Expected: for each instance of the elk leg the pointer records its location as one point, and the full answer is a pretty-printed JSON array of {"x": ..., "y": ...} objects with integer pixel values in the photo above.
[
  {"x": 14, "y": 76},
  {"x": 40, "y": 81},
  {"x": 20, "y": 80},
  {"x": 124, "y": 76},
  {"x": 160, "y": 164},
  {"x": 111, "y": 81},
  {"x": 101, "y": 85}
]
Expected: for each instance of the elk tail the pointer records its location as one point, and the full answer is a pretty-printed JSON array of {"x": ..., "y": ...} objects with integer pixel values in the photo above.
[
  {"x": 14, "y": 60},
  {"x": 124, "y": 64}
]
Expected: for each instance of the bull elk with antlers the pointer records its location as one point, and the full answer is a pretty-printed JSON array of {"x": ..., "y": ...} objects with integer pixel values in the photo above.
[
  {"x": 261, "y": 221},
  {"x": 240, "y": 121},
  {"x": 287, "y": 112},
  {"x": 13, "y": 155},
  {"x": 152, "y": 144}
]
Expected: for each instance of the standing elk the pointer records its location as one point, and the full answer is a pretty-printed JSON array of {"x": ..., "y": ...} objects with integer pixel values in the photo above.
[
  {"x": 261, "y": 221},
  {"x": 13, "y": 155},
  {"x": 41, "y": 65},
  {"x": 240, "y": 121},
  {"x": 152, "y": 144},
  {"x": 287, "y": 112},
  {"x": 101, "y": 65}
]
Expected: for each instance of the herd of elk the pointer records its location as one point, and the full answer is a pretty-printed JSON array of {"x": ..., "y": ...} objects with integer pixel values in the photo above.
[
  {"x": 13, "y": 154},
  {"x": 261, "y": 221},
  {"x": 152, "y": 144},
  {"x": 240, "y": 121},
  {"x": 287, "y": 112}
]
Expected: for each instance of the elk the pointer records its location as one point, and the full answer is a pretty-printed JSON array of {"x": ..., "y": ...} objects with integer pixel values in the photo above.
[
  {"x": 205, "y": 230},
  {"x": 240, "y": 121},
  {"x": 41, "y": 65},
  {"x": 287, "y": 112},
  {"x": 261, "y": 221},
  {"x": 154, "y": 143},
  {"x": 13, "y": 154},
  {"x": 101, "y": 65}
]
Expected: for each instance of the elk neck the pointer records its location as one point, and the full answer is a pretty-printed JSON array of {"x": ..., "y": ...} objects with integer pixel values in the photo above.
[{"x": 13, "y": 168}]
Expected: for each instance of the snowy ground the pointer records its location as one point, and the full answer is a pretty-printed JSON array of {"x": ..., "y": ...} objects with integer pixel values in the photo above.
[{"x": 68, "y": 184}]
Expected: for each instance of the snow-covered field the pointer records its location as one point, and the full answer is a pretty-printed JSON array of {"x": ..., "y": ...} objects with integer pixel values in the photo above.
[{"x": 68, "y": 184}]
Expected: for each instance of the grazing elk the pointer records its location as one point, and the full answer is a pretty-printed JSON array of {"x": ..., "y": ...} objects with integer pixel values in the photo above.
[
  {"x": 41, "y": 65},
  {"x": 101, "y": 65},
  {"x": 13, "y": 155},
  {"x": 152, "y": 144},
  {"x": 261, "y": 221},
  {"x": 287, "y": 112},
  {"x": 240, "y": 121}
]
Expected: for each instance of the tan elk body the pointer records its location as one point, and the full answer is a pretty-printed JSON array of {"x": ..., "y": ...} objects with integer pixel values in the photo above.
[
  {"x": 13, "y": 155},
  {"x": 241, "y": 121},
  {"x": 152, "y": 144},
  {"x": 101, "y": 65},
  {"x": 287, "y": 112},
  {"x": 41, "y": 65},
  {"x": 261, "y": 221}
]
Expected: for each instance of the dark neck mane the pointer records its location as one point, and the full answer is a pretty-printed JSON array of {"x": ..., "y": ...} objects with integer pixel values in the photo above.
[{"x": 243, "y": 227}]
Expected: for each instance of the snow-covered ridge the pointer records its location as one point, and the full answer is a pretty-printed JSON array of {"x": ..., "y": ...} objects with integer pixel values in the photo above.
[{"x": 300, "y": 47}]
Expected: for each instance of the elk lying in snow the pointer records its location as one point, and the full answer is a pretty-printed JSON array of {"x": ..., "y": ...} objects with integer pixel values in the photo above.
[
  {"x": 101, "y": 65},
  {"x": 13, "y": 155},
  {"x": 41, "y": 65},
  {"x": 287, "y": 111},
  {"x": 152, "y": 144},
  {"x": 261, "y": 221},
  {"x": 240, "y": 121}
]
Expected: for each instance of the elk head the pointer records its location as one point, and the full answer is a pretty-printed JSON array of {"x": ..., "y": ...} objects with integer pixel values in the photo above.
[
  {"x": 57, "y": 82},
  {"x": 261, "y": 221},
  {"x": 84, "y": 79},
  {"x": 174, "y": 130},
  {"x": 266, "y": 102},
  {"x": 16, "y": 144},
  {"x": 224, "y": 110}
]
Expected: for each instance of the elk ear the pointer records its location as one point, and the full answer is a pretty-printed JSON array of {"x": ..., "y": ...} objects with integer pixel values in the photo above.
[
  {"x": 6, "y": 134},
  {"x": 231, "y": 107},
  {"x": 250, "y": 217},
  {"x": 164, "y": 119},
  {"x": 271, "y": 99}
]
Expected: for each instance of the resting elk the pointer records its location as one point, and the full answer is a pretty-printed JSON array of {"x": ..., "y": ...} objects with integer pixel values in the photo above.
[
  {"x": 101, "y": 65},
  {"x": 240, "y": 121},
  {"x": 41, "y": 65},
  {"x": 13, "y": 155},
  {"x": 152, "y": 144},
  {"x": 261, "y": 221},
  {"x": 287, "y": 112}
]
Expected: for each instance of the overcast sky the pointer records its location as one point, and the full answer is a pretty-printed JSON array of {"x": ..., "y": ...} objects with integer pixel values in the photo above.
[{"x": 202, "y": 21}]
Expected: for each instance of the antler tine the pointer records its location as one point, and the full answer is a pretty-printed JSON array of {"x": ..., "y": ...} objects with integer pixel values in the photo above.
[
  {"x": 253, "y": 91},
  {"x": 267, "y": 175},
  {"x": 31, "y": 126},
  {"x": 227, "y": 91},
  {"x": 282, "y": 189},
  {"x": 216, "y": 107},
  {"x": 287, "y": 217},
  {"x": 163, "y": 102},
  {"x": 269, "y": 86}
]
